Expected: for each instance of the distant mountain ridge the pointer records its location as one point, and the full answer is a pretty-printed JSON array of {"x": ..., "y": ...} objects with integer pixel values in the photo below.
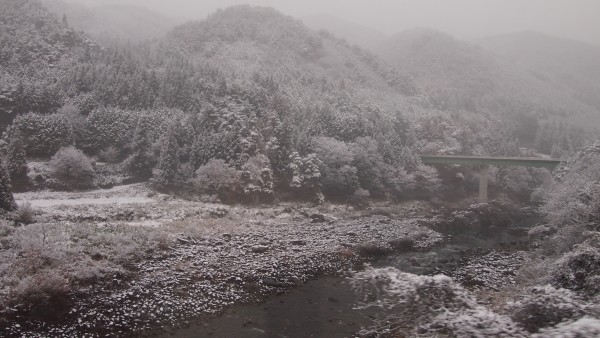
[
  {"x": 459, "y": 75},
  {"x": 568, "y": 65},
  {"x": 261, "y": 40}
]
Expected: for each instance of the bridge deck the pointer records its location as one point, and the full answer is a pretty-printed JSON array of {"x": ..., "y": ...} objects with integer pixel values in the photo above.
[{"x": 549, "y": 163}]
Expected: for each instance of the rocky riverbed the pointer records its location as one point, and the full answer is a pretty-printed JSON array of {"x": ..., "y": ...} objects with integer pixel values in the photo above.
[
  {"x": 213, "y": 256},
  {"x": 254, "y": 255}
]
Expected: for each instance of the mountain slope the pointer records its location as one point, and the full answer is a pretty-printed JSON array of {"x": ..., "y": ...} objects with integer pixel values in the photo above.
[
  {"x": 459, "y": 75},
  {"x": 244, "y": 72},
  {"x": 35, "y": 47},
  {"x": 570, "y": 66},
  {"x": 254, "y": 39}
]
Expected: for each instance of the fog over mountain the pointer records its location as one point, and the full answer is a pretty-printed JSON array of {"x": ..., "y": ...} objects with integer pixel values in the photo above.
[
  {"x": 113, "y": 21},
  {"x": 467, "y": 19}
]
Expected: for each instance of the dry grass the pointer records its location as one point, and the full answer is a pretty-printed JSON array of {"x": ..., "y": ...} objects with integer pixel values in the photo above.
[
  {"x": 198, "y": 227},
  {"x": 25, "y": 214},
  {"x": 43, "y": 265}
]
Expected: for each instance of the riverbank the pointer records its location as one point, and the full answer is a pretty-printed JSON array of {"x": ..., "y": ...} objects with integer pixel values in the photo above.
[{"x": 214, "y": 256}]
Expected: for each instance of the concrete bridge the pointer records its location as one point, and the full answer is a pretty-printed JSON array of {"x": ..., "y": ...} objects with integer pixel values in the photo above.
[{"x": 485, "y": 161}]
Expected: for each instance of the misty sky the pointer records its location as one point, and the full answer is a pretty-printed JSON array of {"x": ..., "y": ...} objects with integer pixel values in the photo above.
[{"x": 578, "y": 19}]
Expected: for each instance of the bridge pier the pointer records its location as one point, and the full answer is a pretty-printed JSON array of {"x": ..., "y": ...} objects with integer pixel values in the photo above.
[
  {"x": 483, "y": 184},
  {"x": 485, "y": 161}
]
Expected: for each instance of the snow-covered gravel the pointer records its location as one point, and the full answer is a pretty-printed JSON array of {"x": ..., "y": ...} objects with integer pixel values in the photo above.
[
  {"x": 264, "y": 251},
  {"x": 494, "y": 270}
]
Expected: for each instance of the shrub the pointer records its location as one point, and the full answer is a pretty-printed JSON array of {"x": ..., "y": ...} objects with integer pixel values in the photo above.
[
  {"x": 369, "y": 163},
  {"x": 399, "y": 183},
  {"x": 25, "y": 213},
  {"x": 574, "y": 196},
  {"x": 578, "y": 270},
  {"x": 43, "y": 265},
  {"x": 257, "y": 179},
  {"x": 217, "y": 177},
  {"x": 16, "y": 163},
  {"x": 544, "y": 306},
  {"x": 45, "y": 294},
  {"x": 338, "y": 175},
  {"x": 427, "y": 182},
  {"x": 581, "y": 328},
  {"x": 141, "y": 161},
  {"x": 427, "y": 306},
  {"x": 72, "y": 168},
  {"x": 109, "y": 155},
  {"x": 521, "y": 182},
  {"x": 168, "y": 161},
  {"x": 305, "y": 177},
  {"x": 7, "y": 201}
]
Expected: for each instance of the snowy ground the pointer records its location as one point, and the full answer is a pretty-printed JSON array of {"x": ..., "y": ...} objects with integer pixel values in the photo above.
[
  {"x": 218, "y": 255},
  {"x": 121, "y": 195}
]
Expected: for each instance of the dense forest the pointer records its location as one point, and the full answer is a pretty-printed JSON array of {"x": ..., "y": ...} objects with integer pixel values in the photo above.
[{"x": 250, "y": 92}]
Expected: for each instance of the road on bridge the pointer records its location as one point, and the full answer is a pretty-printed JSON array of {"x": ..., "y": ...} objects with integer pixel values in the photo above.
[{"x": 485, "y": 161}]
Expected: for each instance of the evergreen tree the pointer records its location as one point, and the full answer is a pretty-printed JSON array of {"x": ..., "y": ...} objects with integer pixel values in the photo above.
[
  {"x": 140, "y": 161},
  {"x": 166, "y": 169},
  {"x": 7, "y": 201},
  {"x": 16, "y": 163}
]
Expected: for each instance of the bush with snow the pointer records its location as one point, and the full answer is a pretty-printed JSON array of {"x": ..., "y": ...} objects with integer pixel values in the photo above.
[
  {"x": 338, "y": 174},
  {"x": 544, "y": 306},
  {"x": 581, "y": 328},
  {"x": 7, "y": 201},
  {"x": 217, "y": 177},
  {"x": 42, "y": 266},
  {"x": 574, "y": 197},
  {"x": 578, "y": 270},
  {"x": 426, "y": 306},
  {"x": 257, "y": 179},
  {"x": 72, "y": 169},
  {"x": 305, "y": 177}
]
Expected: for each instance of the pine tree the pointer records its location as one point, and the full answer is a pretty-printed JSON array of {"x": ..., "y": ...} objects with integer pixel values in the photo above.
[
  {"x": 16, "y": 163},
  {"x": 7, "y": 201},
  {"x": 140, "y": 161},
  {"x": 166, "y": 169}
]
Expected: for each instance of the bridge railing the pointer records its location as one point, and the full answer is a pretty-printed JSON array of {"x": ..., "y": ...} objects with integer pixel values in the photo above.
[{"x": 536, "y": 162}]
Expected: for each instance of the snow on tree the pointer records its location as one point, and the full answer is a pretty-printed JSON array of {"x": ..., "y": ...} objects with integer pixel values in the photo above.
[
  {"x": 574, "y": 197},
  {"x": 338, "y": 174},
  {"x": 217, "y": 177},
  {"x": 16, "y": 162},
  {"x": 43, "y": 135},
  {"x": 305, "y": 176},
  {"x": 257, "y": 179},
  {"x": 7, "y": 201},
  {"x": 140, "y": 162},
  {"x": 72, "y": 169},
  {"x": 168, "y": 161}
]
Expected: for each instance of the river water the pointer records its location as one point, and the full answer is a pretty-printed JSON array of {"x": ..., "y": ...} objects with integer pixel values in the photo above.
[{"x": 323, "y": 307}]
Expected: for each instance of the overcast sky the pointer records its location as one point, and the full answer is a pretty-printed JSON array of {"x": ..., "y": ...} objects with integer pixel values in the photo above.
[{"x": 578, "y": 19}]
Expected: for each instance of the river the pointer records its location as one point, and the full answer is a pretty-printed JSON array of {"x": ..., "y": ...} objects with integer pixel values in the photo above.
[{"x": 324, "y": 307}]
